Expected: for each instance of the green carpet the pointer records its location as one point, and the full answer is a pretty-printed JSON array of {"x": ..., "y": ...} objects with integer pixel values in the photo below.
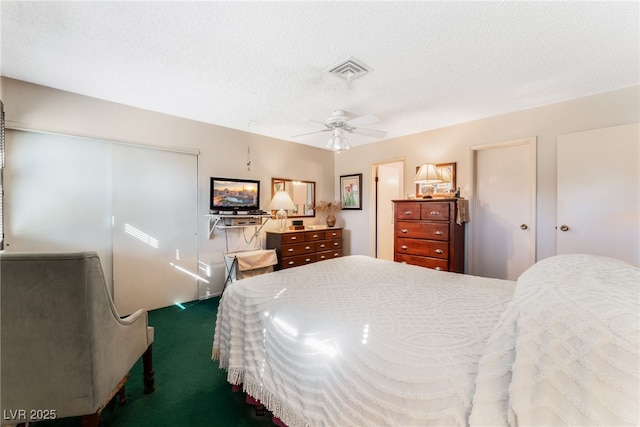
[{"x": 190, "y": 388}]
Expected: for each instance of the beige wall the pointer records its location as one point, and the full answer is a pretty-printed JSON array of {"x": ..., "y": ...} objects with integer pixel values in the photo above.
[
  {"x": 451, "y": 144},
  {"x": 222, "y": 151}
]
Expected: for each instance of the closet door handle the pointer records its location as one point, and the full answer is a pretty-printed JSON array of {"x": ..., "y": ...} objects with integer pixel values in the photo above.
[{"x": 564, "y": 227}]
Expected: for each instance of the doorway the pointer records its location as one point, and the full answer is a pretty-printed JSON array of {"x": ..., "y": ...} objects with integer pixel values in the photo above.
[
  {"x": 503, "y": 223},
  {"x": 388, "y": 186}
]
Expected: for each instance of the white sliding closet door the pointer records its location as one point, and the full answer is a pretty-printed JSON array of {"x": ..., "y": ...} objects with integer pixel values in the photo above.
[
  {"x": 154, "y": 227},
  {"x": 136, "y": 207},
  {"x": 58, "y": 195}
]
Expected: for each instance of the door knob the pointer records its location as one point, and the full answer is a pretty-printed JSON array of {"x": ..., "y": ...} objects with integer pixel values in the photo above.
[
  {"x": 524, "y": 227},
  {"x": 564, "y": 227}
]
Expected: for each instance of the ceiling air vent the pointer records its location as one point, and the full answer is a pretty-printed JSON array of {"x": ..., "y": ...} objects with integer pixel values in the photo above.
[{"x": 349, "y": 69}]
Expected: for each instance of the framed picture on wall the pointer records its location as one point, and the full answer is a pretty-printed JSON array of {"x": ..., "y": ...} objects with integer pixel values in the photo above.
[{"x": 351, "y": 191}]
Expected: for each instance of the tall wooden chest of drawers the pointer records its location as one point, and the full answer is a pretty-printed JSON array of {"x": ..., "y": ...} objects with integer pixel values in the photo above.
[
  {"x": 300, "y": 247},
  {"x": 426, "y": 234}
]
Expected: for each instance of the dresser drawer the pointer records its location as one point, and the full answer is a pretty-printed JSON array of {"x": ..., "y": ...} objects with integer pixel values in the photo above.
[
  {"x": 311, "y": 236},
  {"x": 423, "y": 230},
  {"x": 435, "y": 263},
  {"x": 297, "y": 249},
  {"x": 292, "y": 238},
  {"x": 333, "y": 234},
  {"x": 327, "y": 245},
  {"x": 407, "y": 211},
  {"x": 296, "y": 261},
  {"x": 431, "y": 248},
  {"x": 435, "y": 211},
  {"x": 321, "y": 256}
]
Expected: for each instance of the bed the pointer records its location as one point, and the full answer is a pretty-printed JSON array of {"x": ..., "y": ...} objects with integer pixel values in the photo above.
[{"x": 358, "y": 341}]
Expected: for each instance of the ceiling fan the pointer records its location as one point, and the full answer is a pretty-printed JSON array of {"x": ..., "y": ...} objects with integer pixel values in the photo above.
[{"x": 339, "y": 123}]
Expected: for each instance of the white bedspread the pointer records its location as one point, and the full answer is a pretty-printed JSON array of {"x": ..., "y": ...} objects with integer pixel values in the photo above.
[
  {"x": 358, "y": 341},
  {"x": 566, "y": 350}
]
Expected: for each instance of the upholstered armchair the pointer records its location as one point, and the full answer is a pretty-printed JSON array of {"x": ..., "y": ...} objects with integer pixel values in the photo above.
[{"x": 65, "y": 351}]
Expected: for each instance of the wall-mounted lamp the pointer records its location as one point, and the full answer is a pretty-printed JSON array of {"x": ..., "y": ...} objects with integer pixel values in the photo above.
[
  {"x": 427, "y": 175},
  {"x": 281, "y": 202},
  {"x": 338, "y": 141}
]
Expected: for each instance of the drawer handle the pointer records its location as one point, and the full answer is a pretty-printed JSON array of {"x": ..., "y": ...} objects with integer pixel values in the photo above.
[
  {"x": 315, "y": 236},
  {"x": 294, "y": 237},
  {"x": 322, "y": 245},
  {"x": 405, "y": 247},
  {"x": 334, "y": 234},
  {"x": 438, "y": 268},
  {"x": 439, "y": 233},
  {"x": 404, "y": 230},
  {"x": 438, "y": 251},
  {"x": 322, "y": 257},
  {"x": 435, "y": 213},
  {"x": 307, "y": 260},
  {"x": 290, "y": 250},
  {"x": 307, "y": 248},
  {"x": 336, "y": 254},
  {"x": 408, "y": 212},
  {"x": 290, "y": 262},
  {"x": 336, "y": 244}
]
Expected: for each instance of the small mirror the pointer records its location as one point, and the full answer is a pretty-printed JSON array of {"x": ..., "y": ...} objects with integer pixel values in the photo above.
[
  {"x": 448, "y": 173},
  {"x": 446, "y": 188},
  {"x": 303, "y": 194}
]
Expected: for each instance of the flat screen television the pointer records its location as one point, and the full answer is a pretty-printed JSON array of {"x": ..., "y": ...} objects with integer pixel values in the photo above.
[{"x": 230, "y": 194}]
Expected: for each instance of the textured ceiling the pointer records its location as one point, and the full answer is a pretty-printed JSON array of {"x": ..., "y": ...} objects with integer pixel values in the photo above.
[{"x": 262, "y": 66}]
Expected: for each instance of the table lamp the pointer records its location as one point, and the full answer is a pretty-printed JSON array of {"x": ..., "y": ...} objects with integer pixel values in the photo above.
[{"x": 281, "y": 203}]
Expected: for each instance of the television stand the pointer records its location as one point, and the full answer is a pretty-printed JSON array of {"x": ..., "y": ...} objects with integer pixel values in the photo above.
[{"x": 228, "y": 221}]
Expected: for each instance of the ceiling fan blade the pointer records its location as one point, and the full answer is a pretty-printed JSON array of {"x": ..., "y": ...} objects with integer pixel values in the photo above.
[
  {"x": 310, "y": 133},
  {"x": 318, "y": 121},
  {"x": 363, "y": 120},
  {"x": 370, "y": 132}
]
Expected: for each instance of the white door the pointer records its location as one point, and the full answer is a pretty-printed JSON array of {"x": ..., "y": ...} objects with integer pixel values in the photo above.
[
  {"x": 503, "y": 209},
  {"x": 154, "y": 228},
  {"x": 389, "y": 187},
  {"x": 599, "y": 193}
]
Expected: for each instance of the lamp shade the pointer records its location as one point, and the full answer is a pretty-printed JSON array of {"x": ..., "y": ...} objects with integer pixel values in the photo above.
[
  {"x": 428, "y": 174},
  {"x": 281, "y": 203},
  {"x": 281, "y": 200}
]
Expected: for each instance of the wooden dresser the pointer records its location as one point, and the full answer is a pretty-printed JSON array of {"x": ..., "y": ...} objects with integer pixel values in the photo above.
[
  {"x": 426, "y": 234},
  {"x": 300, "y": 247}
]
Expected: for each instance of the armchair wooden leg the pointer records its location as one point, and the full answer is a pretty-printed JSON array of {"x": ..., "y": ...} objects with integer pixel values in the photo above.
[
  {"x": 148, "y": 372},
  {"x": 92, "y": 420}
]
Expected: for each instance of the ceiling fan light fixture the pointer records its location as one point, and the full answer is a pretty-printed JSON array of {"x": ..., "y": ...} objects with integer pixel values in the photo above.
[{"x": 338, "y": 142}]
